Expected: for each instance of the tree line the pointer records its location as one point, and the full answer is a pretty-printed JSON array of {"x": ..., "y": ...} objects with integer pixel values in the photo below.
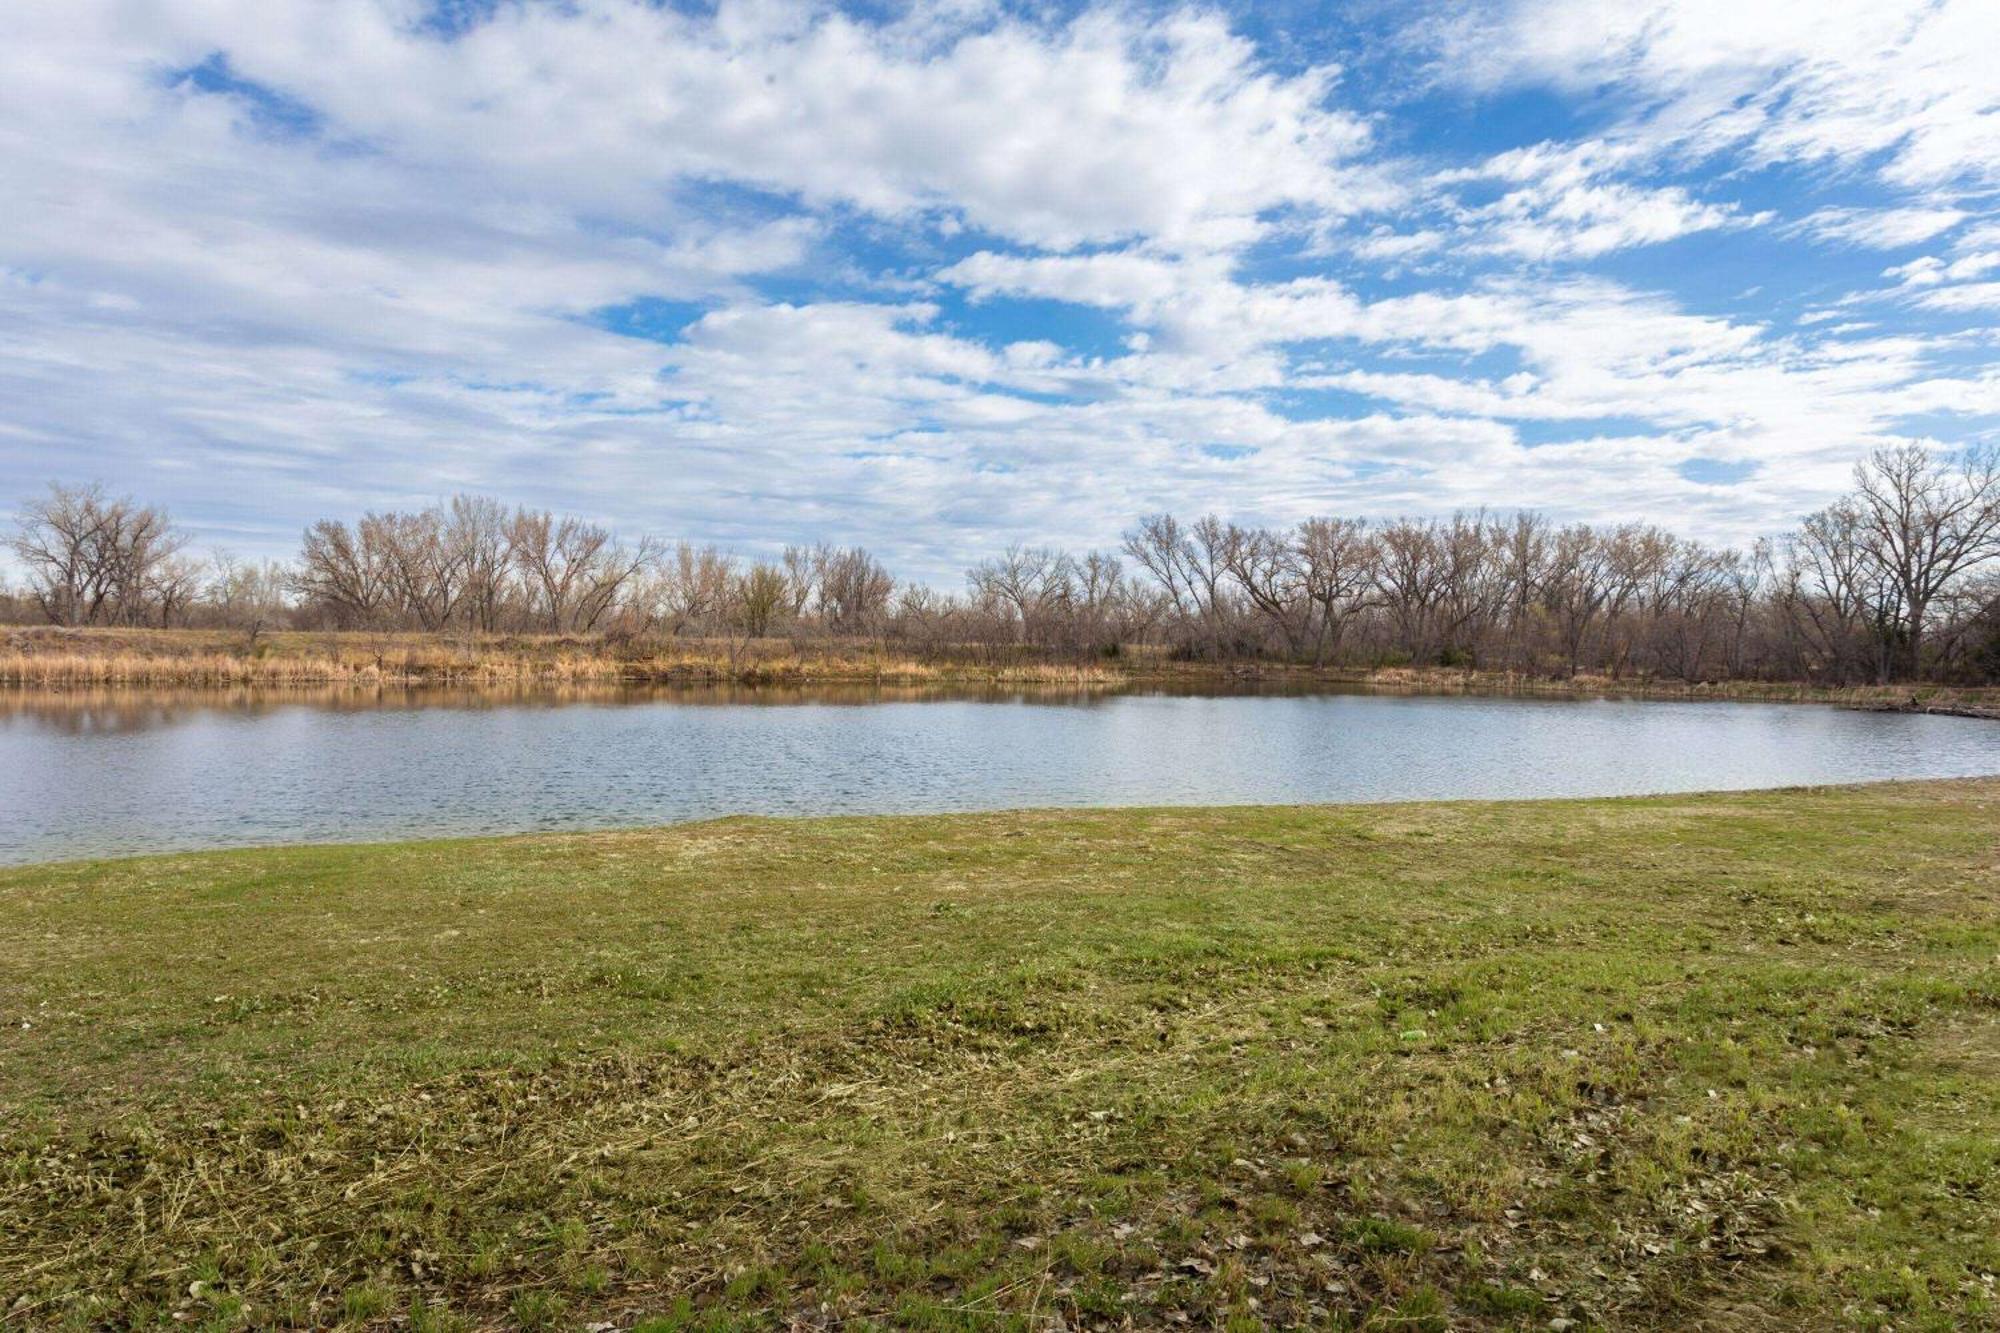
[{"x": 1897, "y": 580}]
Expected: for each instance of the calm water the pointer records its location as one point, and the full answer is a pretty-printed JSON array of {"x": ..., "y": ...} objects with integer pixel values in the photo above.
[{"x": 129, "y": 773}]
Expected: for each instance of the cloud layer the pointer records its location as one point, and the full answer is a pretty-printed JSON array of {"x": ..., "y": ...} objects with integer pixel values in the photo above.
[{"x": 968, "y": 275}]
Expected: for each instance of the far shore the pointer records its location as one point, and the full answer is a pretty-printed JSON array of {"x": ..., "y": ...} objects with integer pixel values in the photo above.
[{"x": 48, "y": 658}]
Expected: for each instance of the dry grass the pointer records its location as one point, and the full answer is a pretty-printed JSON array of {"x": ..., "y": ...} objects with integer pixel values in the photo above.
[
  {"x": 66, "y": 659},
  {"x": 1717, "y": 1062},
  {"x": 1455, "y": 680},
  {"x": 46, "y": 658}
]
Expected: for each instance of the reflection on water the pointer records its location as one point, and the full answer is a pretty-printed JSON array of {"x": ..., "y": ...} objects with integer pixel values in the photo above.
[{"x": 107, "y": 771}]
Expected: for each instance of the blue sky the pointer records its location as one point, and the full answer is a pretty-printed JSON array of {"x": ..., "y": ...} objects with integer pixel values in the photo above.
[{"x": 939, "y": 278}]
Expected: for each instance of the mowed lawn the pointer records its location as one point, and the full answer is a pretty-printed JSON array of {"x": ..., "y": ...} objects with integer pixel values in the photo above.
[{"x": 1718, "y": 1062}]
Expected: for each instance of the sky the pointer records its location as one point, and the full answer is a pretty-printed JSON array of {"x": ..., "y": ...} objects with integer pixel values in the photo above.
[{"x": 939, "y": 278}]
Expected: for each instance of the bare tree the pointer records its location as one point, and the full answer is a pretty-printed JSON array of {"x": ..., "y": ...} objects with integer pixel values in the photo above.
[
  {"x": 246, "y": 595},
  {"x": 55, "y": 538},
  {"x": 1189, "y": 564},
  {"x": 478, "y": 540},
  {"x": 762, "y": 596},
  {"x": 1899, "y": 579},
  {"x": 692, "y": 590},
  {"x": 1523, "y": 550},
  {"x": 171, "y": 589},
  {"x": 141, "y": 570},
  {"x": 1925, "y": 523},
  {"x": 1268, "y": 569},
  {"x": 928, "y": 619},
  {"x": 1033, "y": 585},
  {"x": 1832, "y": 598},
  {"x": 1337, "y": 557},
  {"x": 573, "y": 570},
  {"x": 92, "y": 560},
  {"x": 1411, "y": 577},
  {"x": 1442, "y": 584},
  {"x": 854, "y": 590},
  {"x": 1158, "y": 545},
  {"x": 802, "y": 565},
  {"x": 1691, "y": 608},
  {"x": 1105, "y": 606},
  {"x": 1475, "y": 591},
  {"x": 426, "y": 570},
  {"x": 344, "y": 573}
]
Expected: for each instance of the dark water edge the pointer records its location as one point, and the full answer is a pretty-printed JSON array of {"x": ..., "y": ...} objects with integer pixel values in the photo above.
[{"x": 101, "y": 772}]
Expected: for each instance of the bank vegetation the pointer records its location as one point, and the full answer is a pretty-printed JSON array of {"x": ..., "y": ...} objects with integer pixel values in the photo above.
[{"x": 1897, "y": 582}]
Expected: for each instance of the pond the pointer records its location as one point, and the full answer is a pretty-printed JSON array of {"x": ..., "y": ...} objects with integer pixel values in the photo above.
[{"x": 131, "y": 772}]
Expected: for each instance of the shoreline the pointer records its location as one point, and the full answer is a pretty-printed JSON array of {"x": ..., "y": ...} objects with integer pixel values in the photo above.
[
  {"x": 423, "y": 841},
  {"x": 53, "y": 661},
  {"x": 1914, "y": 705}
]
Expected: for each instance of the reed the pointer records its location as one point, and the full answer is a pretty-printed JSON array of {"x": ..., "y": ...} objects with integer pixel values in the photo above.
[
  {"x": 42, "y": 657},
  {"x": 195, "y": 662}
]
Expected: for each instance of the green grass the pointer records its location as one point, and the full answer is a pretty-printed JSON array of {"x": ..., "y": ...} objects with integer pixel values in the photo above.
[{"x": 1722, "y": 1061}]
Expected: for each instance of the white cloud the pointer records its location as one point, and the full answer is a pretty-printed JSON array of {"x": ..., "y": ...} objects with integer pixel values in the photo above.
[
  {"x": 1980, "y": 236},
  {"x": 1123, "y": 280},
  {"x": 1102, "y": 128},
  {"x": 1562, "y": 202},
  {"x": 1970, "y": 296},
  {"x": 1585, "y": 221},
  {"x": 1803, "y": 81},
  {"x": 1929, "y": 270},
  {"x": 1881, "y": 228},
  {"x": 1389, "y": 246},
  {"x": 261, "y": 317}
]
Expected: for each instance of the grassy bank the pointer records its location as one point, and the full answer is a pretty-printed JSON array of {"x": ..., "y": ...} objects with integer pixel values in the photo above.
[{"x": 1721, "y": 1062}]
